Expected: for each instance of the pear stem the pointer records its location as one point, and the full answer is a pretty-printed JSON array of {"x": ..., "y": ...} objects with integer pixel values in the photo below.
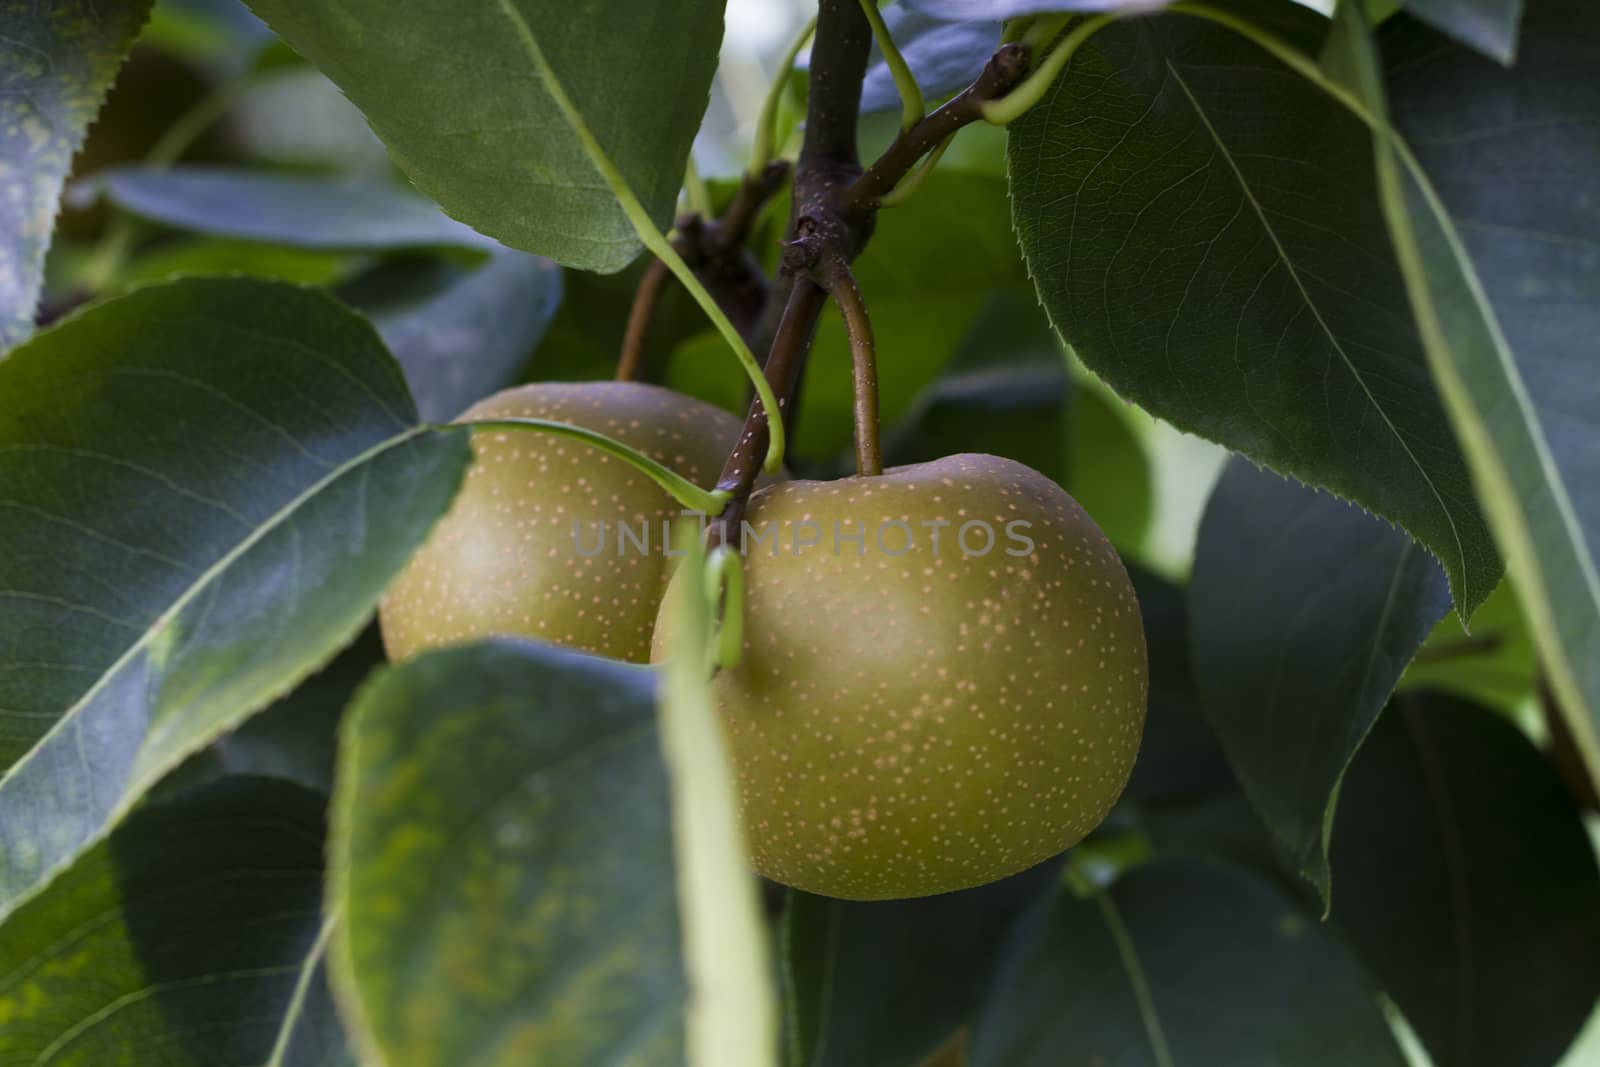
[
  {"x": 643, "y": 310},
  {"x": 846, "y": 293}
]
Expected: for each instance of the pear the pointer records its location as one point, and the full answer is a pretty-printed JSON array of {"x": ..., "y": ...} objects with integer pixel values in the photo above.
[{"x": 943, "y": 678}]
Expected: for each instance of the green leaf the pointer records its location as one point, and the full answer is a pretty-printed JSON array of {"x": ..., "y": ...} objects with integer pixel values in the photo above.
[
  {"x": 1490, "y": 26},
  {"x": 1108, "y": 470},
  {"x": 921, "y": 965},
  {"x": 471, "y": 337},
  {"x": 502, "y": 847},
  {"x": 944, "y": 56},
  {"x": 1494, "y": 664},
  {"x": 733, "y": 1010},
  {"x": 301, "y": 211},
  {"x": 56, "y": 62},
  {"x": 296, "y": 737},
  {"x": 457, "y": 94},
  {"x": 1005, "y": 392},
  {"x": 206, "y": 486},
  {"x": 1180, "y": 761},
  {"x": 221, "y": 255},
  {"x": 1185, "y": 963},
  {"x": 1210, "y": 240},
  {"x": 1468, "y": 885},
  {"x": 1508, "y": 288},
  {"x": 293, "y": 116},
  {"x": 188, "y": 939},
  {"x": 1005, "y": 9},
  {"x": 1305, "y": 612}
]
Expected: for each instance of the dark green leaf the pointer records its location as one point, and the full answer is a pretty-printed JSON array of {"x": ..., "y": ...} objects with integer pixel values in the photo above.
[
  {"x": 1490, "y": 26},
  {"x": 944, "y": 56},
  {"x": 1184, "y": 963},
  {"x": 302, "y": 211},
  {"x": 221, "y": 255},
  {"x": 503, "y": 849},
  {"x": 1005, "y": 393},
  {"x": 296, "y": 737},
  {"x": 188, "y": 939},
  {"x": 1180, "y": 760},
  {"x": 206, "y": 486},
  {"x": 1494, "y": 664},
  {"x": 1210, "y": 240},
  {"x": 56, "y": 62},
  {"x": 1510, "y": 285},
  {"x": 922, "y": 966},
  {"x": 1306, "y": 611},
  {"x": 1468, "y": 885},
  {"x": 1004, "y": 9},
  {"x": 457, "y": 94},
  {"x": 472, "y": 337}
]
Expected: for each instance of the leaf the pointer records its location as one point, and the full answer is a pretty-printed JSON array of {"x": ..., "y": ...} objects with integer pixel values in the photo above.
[
  {"x": 295, "y": 117},
  {"x": 296, "y": 737},
  {"x": 301, "y": 211},
  {"x": 1468, "y": 885},
  {"x": 181, "y": 940},
  {"x": 472, "y": 337},
  {"x": 923, "y": 965},
  {"x": 1210, "y": 241},
  {"x": 996, "y": 10},
  {"x": 1305, "y": 612},
  {"x": 457, "y": 93},
  {"x": 1509, "y": 288},
  {"x": 1490, "y": 26},
  {"x": 1180, "y": 761},
  {"x": 1494, "y": 664},
  {"x": 56, "y": 62},
  {"x": 206, "y": 486},
  {"x": 944, "y": 56},
  {"x": 733, "y": 1010},
  {"x": 222, "y": 255},
  {"x": 1180, "y": 962},
  {"x": 1107, "y": 469},
  {"x": 502, "y": 848},
  {"x": 1005, "y": 392}
]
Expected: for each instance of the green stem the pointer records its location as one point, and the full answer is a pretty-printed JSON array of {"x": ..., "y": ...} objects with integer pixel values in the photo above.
[
  {"x": 652, "y": 237},
  {"x": 1016, "y": 103},
  {"x": 1044, "y": 30},
  {"x": 912, "y": 106},
  {"x": 694, "y": 186},
  {"x": 767, "y": 125},
  {"x": 725, "y": 588},
  {"x": 709, "y": 502}
]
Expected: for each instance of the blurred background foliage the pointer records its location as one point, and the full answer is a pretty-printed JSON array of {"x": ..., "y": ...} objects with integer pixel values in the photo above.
[{"x": 219, "y": 151}]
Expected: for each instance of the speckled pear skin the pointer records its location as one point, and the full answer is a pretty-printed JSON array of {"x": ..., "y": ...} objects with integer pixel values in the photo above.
[
  {"x": 503, "y": 560},
  {"x": 917, "y": 724}
]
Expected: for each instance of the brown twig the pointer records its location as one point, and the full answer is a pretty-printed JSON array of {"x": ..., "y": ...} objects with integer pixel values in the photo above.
[
  {"x": 1000, "y": 75},
  {"x": 834, "y": 210}
]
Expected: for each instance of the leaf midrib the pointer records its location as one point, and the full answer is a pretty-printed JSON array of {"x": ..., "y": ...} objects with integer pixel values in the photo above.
[{"x": 1316, "y": 314}]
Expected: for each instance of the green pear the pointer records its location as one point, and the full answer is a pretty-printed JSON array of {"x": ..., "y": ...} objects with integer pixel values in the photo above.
[
  {"x": 943, "y": 678},
  {"x": 551, "y": 538}
]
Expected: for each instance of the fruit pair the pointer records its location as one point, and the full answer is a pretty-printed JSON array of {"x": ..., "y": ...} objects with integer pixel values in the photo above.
[{"x": 943, "y": 678}]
